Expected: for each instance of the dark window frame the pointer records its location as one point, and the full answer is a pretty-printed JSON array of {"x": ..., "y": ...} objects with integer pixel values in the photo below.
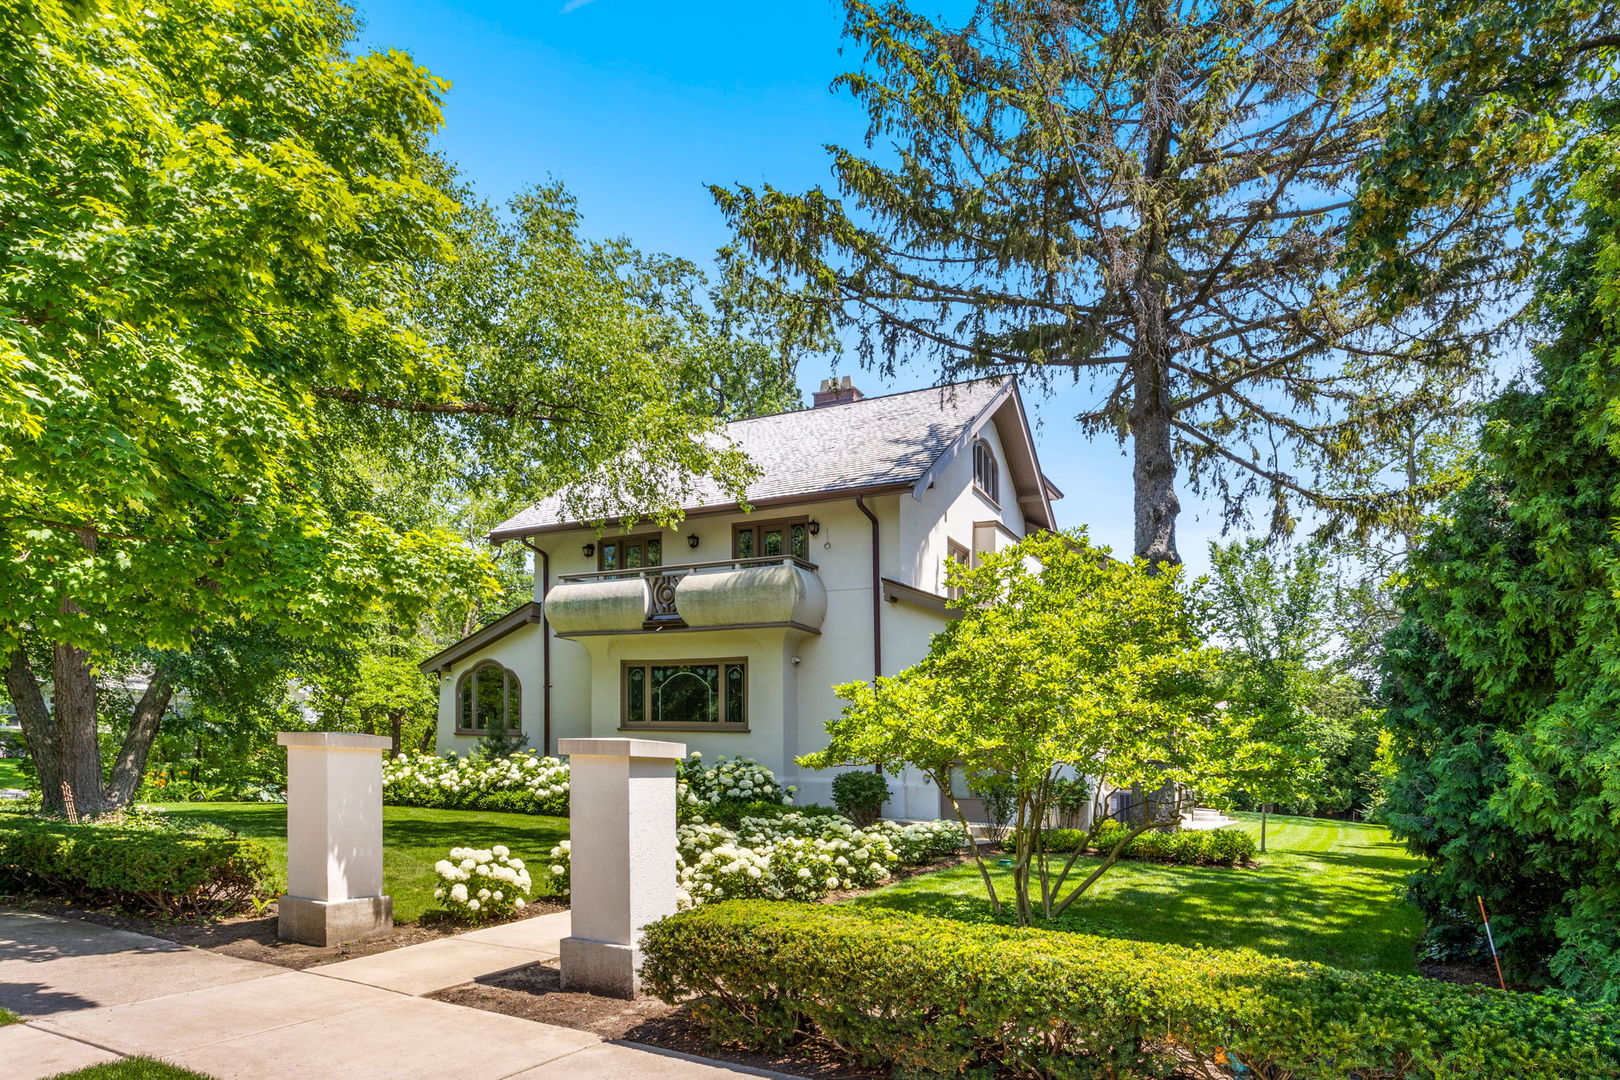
[
  {"x": 760, "y": 528},
  {"x": 621, "y": 541},
  {"x": 467, "y": 695},
  {"x": 646, "y": 723},
  {"x": 986, "y": 472}
]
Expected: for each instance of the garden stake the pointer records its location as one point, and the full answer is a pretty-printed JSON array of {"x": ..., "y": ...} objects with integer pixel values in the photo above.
[{"x": 1490, "y": 939}]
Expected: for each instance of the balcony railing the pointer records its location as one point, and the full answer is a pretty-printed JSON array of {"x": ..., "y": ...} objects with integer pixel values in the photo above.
[{"x": 661, "y": 606}]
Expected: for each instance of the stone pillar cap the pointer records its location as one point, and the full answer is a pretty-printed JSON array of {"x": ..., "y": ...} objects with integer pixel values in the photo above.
[
  {"x": 345, "y": 740},
  {"x": 641, "y": 748}
]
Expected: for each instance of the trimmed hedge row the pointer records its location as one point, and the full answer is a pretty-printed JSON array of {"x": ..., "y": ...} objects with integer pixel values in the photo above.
[
  {"x": 930, "y": 996},
  {"x": 135, "y": 863},
  {"x": 1210, "y": 847}
]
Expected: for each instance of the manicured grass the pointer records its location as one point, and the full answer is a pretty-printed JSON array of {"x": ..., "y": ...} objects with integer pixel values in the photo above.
[
  {"x": 1329, "y": 891},
  {"x": 11, "y": 774},
  {"x": 413, "y": 840},
  {"x": 135, "y": 1068}
]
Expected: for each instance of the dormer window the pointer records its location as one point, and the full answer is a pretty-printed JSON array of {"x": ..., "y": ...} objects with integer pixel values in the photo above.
[{"x": 986, "y": 476}]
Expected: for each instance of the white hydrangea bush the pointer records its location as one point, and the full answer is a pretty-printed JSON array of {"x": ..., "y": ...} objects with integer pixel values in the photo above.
[
  {"x": 479, "y": 884},
  {"x": 522, "y": 783},
  {"x": 559, "y": 869},
  {"x": 728, "y": 779},
  {"x": 918, "y": 842}
]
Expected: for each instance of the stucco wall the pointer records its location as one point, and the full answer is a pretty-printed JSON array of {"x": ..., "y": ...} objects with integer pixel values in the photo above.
[{"x": 519, "y": 651}]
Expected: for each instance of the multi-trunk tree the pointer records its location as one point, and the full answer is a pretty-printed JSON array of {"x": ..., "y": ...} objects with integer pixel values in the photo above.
[
  {"x": 1122, "y": 690},
  {"x": 1151, "y": 198}
]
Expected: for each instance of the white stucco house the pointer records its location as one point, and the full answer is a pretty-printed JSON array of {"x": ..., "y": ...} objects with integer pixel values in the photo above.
[{"x": 729, "y": 631}]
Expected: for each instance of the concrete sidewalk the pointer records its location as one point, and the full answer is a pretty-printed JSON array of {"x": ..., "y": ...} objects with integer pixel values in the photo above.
[{"x": 91, "y": 994}]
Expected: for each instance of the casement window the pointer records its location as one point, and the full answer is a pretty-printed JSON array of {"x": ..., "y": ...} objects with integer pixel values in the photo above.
[
  {"x": 986, "y": 473},
  {"x": 960, "y": 554},
  {"x": 771, "y": 539},
  {"x": 488, "y": 698},
  {"x": 694, "y": 695},
  {"x": 630, "y": 552}
]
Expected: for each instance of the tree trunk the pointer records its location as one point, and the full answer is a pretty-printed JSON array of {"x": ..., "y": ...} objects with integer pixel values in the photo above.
[
  {"x": 428, "y": 737},
  {"x": 396, "y": 726},
  {"x": 78, "y": 753},
  {"x": 38, "y": 727},
  {"x": 1153, "y": 468},
  {"x": 130, "y": 765},
  {"x": 1264, "y": 807}
]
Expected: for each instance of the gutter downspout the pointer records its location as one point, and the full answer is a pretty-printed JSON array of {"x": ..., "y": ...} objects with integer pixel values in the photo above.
[
  {"x": 877, "y": 591},
  {"x": 877, "y": 598},
  {"x": 545, "y": 649}
]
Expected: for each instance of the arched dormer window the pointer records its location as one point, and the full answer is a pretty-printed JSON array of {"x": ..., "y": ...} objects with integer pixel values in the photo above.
[
  {"x": 986, "y": 475},
  {"x": 489, "y": 698}
]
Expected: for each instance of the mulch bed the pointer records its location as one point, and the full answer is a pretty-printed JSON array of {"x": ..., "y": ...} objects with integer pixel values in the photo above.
[
  {"x": 253, "y": 937},
  {"x": 535, "y": 993}
]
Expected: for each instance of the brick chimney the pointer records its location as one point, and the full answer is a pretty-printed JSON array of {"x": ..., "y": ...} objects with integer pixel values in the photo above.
[{"x": 835, "y": 392}]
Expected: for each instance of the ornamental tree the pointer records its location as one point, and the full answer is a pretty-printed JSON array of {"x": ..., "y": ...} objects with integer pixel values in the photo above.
[
  {"x": 1150, "y": 198},
  {"x": 1064, "y": 661},
  {"x": 216, "y": 227}
]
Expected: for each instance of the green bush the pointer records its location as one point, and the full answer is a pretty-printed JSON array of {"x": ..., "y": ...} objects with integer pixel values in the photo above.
[
  {"x": 731, "y": 814},
  {"x": 1211, "y": 847},
  {"x": 138, "y": 861},
  {"x": 860, "y": 795},
  {"x": 928, "y": 996}
]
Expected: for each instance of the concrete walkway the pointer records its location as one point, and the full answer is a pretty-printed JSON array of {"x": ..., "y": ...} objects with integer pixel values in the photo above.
[{"x": 91, "y": 994}]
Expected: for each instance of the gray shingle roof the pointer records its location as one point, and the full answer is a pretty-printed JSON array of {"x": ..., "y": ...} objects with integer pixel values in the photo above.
[{"x": 877, "y": 442}]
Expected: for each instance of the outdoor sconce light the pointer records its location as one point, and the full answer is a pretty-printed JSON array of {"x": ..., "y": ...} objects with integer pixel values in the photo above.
[
  {"x": 692, "y": 540},
  {"x": 588, "y": 550},
  {"x": 815, "y": 528}
]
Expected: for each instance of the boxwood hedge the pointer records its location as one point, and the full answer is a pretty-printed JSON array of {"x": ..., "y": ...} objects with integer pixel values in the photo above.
[
  {"x": 932, "y": 997},
  {"x": 1209, "y": 847},
  {"x": 139, "y": 862}
]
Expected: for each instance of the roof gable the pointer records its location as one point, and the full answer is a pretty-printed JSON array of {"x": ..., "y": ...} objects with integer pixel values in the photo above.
[{"x": 893, "y": 442}]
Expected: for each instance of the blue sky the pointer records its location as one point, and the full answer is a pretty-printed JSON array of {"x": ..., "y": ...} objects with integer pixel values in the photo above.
[{"x": 636, "y": 106}]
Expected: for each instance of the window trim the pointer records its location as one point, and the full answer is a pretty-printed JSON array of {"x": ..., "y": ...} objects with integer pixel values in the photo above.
[
  {"x": 962, "y": 554},
  {"x": 645, "y": 724},
  {"x": 511, "y": 693},
  {"x": 992, "y": 494},
  {"x": 628, "y": 538},
  {"x": 758, "y": 528}
]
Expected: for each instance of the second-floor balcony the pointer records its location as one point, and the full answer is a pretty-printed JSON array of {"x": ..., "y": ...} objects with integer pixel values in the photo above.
[{"x": 775, "y": 591}]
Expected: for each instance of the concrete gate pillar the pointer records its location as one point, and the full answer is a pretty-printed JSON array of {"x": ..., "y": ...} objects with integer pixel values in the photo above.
[
  {"x": 334, "y": 839},
  {"x": 622, "y": 833}
]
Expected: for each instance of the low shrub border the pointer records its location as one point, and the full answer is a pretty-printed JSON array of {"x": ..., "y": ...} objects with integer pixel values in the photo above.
[
  {"x": 138, "y": 862},
  {"x": 930, "y": 996},
  {"x": 1206, "y": 847}
]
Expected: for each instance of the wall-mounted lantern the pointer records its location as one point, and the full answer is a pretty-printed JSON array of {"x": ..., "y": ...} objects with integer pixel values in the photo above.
[
  {"x": 588, "y": 550},
  {"x": 692, "y": 540},
  {"x": 815, "y": 527}
]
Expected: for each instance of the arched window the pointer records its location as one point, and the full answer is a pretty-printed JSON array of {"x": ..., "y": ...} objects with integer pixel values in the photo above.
[
  {"x": 986, "y": 476},
  {"x": 489, "y": 698}
]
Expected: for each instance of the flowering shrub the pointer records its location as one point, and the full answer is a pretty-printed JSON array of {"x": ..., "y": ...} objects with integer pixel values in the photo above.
[
  {"x": 920, "y": 841},
  {"x": 522, "y": 783},
  {"x": 798, "y": 856},
  {"x": 482, "y": 883},
  {"x": 728, "y": 780},
  {"x": 560, "y": 870}
]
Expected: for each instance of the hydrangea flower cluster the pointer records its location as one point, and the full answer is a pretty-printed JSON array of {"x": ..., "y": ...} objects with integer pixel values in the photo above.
[
  {"x": 560, "y": 869},
  {"x": 729, "y": 779},
  {"x": 797, "y": 856},
  {"x": 520, "y": 783},
  {"x": 482, "y": 883}
]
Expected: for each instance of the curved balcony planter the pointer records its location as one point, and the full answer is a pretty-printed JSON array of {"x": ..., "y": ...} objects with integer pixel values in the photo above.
[
  {"x": 751, "y": 596},
  {"x": 598, "y": 607},
  {"x": 698, "y": 596}
]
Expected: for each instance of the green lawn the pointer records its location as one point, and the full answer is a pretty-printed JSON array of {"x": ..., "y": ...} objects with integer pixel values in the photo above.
[
  {"x": 135, "y": 1068},
  {"x": 11, "y": 774},
  {"x": 1328, "y": 891},
  {"x": 413, "y": 840}
]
